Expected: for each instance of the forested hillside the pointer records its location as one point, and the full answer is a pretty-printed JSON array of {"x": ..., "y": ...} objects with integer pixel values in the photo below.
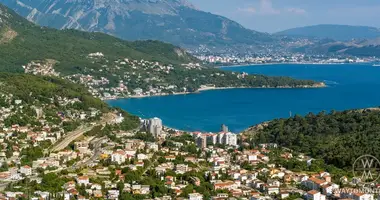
[
  {"x": 339, "y": 137},
  {"x": 21, "y": 42}
]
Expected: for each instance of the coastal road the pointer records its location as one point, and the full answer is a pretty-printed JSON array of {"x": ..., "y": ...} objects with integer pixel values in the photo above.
[{"x": 108, "y": 118}]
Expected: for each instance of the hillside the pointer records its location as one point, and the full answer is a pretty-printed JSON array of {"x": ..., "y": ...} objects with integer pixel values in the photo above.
[
  {"x": 112, "y": 67},
  {"x": 173, "y": 21},
  {"x": 338, "y": 138},
  {"x": 22, "y": 41},
  {"x": 335, "y": 32}
]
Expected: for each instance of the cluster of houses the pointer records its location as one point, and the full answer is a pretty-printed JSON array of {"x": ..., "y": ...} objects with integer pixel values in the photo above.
[{"x": 44, "y": 68}]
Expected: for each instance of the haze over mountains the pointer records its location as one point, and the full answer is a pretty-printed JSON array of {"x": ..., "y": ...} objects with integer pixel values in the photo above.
[
  {"x": 335, "y": 32},
  {"x": 178, "y": 22}
]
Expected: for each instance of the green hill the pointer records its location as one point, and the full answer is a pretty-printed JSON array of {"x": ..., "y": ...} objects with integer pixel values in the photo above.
[
  {"x": 21, "y": 42},
  {"x": 338, "y": 138}
]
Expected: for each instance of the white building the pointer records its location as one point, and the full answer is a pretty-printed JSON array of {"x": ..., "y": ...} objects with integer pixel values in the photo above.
[
  {"x": 26, "y": 170},
  {"x": 118, "y": 157},
  {"x": 154, "y": 126},
  {"x": 83, "y": 180},
  {"x": 315, "y": 195},
  {"x": 230, "y": 139},
  {"x": 195, "y": 196}
]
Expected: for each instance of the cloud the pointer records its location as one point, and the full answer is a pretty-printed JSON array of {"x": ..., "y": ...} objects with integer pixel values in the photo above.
[
  {"x": 250, "y": 10},
  {"x": 265, "y": 7},
  {"x": 298, "y": 11}
]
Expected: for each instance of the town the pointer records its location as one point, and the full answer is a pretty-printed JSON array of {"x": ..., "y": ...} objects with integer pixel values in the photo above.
[
  {"x": 51, "y": 159},
  {"x": 291, "y": 58}
]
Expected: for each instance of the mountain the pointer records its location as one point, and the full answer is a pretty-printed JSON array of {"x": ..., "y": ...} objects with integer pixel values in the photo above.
[
  {"x": 173, "y": 21},
  {"x": 111, "y": 67},
  {"x": 335, "y": 32},
  {"x": 21, "y": 42}
]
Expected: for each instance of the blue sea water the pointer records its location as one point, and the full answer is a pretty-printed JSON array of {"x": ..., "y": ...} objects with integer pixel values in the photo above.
[{"x": 349, "y": 86}]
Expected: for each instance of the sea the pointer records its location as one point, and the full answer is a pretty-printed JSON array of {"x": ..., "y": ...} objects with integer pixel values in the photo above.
[{"x": 350, "y": 86}]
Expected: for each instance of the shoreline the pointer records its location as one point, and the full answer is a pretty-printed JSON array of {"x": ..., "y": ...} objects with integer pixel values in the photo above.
[
  {"x": 298, "y": 63},
  {"x": 315, "y": 86}
]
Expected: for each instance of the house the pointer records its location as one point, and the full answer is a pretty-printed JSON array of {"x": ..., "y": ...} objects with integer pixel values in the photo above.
[
  {"x": 141, "y": 156},
  {"x": 113, "y": 194},
  {"x": 315, "y": 183},
  {"x": 284, "y": 195},
  {"x": 182, "y": 168},
  {"x": 118, "y": 156},
  {"x": 224, "y": 185},
  {"x": 195, "y": 196},
  {"x": 315, "y": 195},
  {"x": 26, "y": 170},
  {"x": 362, "y": 196},
  {"x": 83, "y": 180},
  {"x": 272, "y": 190}
]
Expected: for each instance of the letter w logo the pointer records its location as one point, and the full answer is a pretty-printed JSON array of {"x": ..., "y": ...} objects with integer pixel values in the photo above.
[{"x": 367, "y": 164}]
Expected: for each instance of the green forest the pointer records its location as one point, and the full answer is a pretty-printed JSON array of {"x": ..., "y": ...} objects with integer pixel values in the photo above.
[
  {"x": 338, "y": 137},
  {"x": 42, "y": 88},
  {"x": 70, "y": 47}
]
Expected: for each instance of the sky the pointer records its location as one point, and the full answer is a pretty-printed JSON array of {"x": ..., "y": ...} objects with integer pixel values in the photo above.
[{"x": 277, "y": 15}]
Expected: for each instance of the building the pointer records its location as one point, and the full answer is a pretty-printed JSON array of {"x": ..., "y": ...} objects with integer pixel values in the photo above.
[
  {"x": 315, "y": 195},
  {"x": 202, "y": 141},
  {"x": 221, "y": 138},
  {"x": 26, "y": 170},
  {"x": 81, "y": 146},
  {"x": 154, "y": 126},
  {"x": 212, "y": 138},
  {"x": 224, "y": 128},
  {"x": 118, "y": 157},
  {"x": 362, "y": 196},
  {"x": 195, "y": 196},
  {"x": 230, "y": 139},
  {"x": 83, "y": 180}
]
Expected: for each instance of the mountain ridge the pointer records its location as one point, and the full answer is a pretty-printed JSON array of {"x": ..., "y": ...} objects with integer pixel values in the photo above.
[{"x": 174, "y": 21}]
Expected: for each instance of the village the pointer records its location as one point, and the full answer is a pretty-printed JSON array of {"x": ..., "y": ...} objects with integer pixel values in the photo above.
[{"x": 126, "y": 78}]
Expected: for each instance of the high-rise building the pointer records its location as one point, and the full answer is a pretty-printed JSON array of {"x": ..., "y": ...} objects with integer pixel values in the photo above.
[
  {"x": 230, "y": 139},
  {"x": 221, "y": 138},
  {"x": 224, "y": 128},
  {"x": 154, "y": 126},
  {"x": 202, "y": 141},
  {"x": 211, "y": 138}
]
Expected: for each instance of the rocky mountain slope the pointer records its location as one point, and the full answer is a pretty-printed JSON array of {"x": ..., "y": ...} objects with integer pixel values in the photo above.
[{"x": 173, "y": 21}]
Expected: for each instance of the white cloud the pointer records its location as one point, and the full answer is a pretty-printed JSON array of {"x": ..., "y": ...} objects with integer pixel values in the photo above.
[
  {"x": 250, "y": 10},
  {"x": 298, "y": 11},
  {"x": 266, "y": 8}
]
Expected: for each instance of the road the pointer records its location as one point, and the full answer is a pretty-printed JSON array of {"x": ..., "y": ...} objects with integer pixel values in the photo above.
[
  {"x": 97, "y": 151},
  {"x": 108, "y": 118}
]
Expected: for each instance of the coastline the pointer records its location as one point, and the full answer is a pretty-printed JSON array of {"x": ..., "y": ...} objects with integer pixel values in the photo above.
[
  {"x": 199, "y": 90},
  {"x": 298, "y": 63}
]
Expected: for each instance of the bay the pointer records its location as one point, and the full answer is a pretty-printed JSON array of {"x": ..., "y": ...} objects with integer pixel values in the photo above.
[{"x": 350, "y": 86}]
